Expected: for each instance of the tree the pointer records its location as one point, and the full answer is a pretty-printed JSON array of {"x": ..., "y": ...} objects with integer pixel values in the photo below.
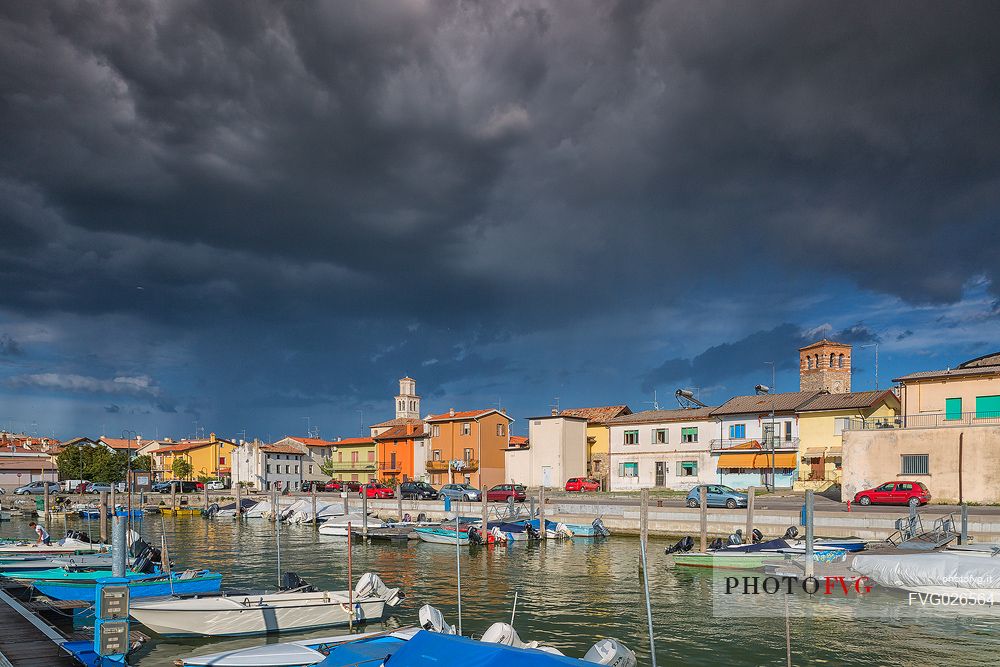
[
  {"x": 326, "y": 467},
  {"x": 94, "y": 463},
  {"x": 143, "y": 463},
  {"x": 181, "y": 468}
]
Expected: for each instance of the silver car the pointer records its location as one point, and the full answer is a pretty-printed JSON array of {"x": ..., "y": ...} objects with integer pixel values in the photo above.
[
  {"x": 36, "y": 488},
  {"x": 459, "y": 492}
]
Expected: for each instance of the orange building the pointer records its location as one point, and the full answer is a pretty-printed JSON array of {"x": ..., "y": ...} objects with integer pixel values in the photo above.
[
  {"x": 396, "y": 446},
  {"x": 468, "y": 447}
]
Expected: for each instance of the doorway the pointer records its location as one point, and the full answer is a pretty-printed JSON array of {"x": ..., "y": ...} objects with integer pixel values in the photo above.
[{"x": 661, "y": 473}]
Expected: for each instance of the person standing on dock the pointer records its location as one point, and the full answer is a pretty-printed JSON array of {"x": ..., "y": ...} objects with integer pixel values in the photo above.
[{"x": 43, "y": 535}]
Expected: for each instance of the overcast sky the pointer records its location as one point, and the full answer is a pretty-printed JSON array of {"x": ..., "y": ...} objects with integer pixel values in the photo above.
[{"x": 236, "y": 216}]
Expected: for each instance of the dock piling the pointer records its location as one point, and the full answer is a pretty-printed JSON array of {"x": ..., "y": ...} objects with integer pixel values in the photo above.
[
  {"x": 119, "y": 548},
  {"x": 173, "y": 495},
  {"x": 205, "y": 506},
  {"x": 114, "y": 499},
  {"x": 750, "y": 499},
  {"x": 343, "y": 494},
  {"x": 644, "y": 518},
  {"x": 364, "y": 512},
  {"x": 315, "y": 516},
  {"x": 810, "y": 516},
  {"x": 46, "y": 502},
  {"x": 239, "y": 507},
  {"x": 541, "y": 513},
  {"x": 963, "y": 537},
  {"x": 486, "y": 511},
  {"x": 703, "y": 505},
  {"x": 102, "y": 520}
]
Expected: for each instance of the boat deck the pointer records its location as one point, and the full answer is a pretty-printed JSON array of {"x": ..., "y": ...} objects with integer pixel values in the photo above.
[{"x": 400, "y": 534}]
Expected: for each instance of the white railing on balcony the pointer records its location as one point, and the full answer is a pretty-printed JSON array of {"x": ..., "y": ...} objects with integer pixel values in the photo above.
[
  {"x": 778, "y": 442},
  {"x": 935, "y": 420}
]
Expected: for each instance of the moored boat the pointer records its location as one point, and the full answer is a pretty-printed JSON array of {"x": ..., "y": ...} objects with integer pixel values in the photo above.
[
  {"x": 442, "y": 535},
  {"x": 337, "y": 525},
  {"x": 82, "y": 587},
  {"x": 231, "y": 615}
]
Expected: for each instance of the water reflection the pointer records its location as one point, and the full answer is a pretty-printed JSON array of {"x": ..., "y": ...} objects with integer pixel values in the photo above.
[{"x": 570, "y": 595}]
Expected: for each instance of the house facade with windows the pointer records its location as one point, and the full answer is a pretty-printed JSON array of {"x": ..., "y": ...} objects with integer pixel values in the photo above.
[
  {"x": 211, "y": 458},
  {"x": 754, "y": 433},
  {"x": 557, "y": 451},
  {"x": 661, "y": 448},
  {"x": 398, "y": 449},
  {"x": 262, "y": 467},
  {"x": 945, "y": 437},
  {"x": 598, "y": 436},
  {"x": 468, "y": 446}
]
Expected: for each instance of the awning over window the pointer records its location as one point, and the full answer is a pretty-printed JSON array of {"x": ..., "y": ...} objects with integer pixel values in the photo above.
[
  {"x": 816, "y": 452},
  {"x": 757, "y": 460}
]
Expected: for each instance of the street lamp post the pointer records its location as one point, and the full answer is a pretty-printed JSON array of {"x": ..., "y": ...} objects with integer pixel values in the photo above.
[
  {"x": 761, "y": 389},
  {"x": 128, "y": 435}
]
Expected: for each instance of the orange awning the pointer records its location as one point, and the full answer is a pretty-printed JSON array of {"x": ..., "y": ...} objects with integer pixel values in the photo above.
[{"x": 757, "y": 460}]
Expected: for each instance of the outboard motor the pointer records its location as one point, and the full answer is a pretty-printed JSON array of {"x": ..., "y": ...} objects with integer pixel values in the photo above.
[
  {"x": 791, "y": 533},
  {"x": 600, "y": 529},
  {"x": 406, "y": 518},
  {"x": 756, "y": 537},
  {"x": 684, "y": 544},
  {"x": 532, "y": 532},
  {"x": 611, "y": 652},
  {"x": 371, "y": 586},
  {"x": 291, "y": 581},
  {"x": 138, "y": 548},
  {"x": 146, "y": 561},
  {"x": 716, "y": 544},
  {"x": 736, "y": 538},
  {"x": 211, "y": 510},
  {"x": 505, "y": 634},
  {"x": 421, "y": 518},
  {"x": 432, "y": 619},
  {"x": 475, "y": 537}
]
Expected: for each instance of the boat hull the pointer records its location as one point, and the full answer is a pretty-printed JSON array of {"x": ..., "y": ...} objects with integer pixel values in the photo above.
[
  {"x": 228, "y": 617},
  {"x": 439, "y": 536},
  {"x": 741, "y": 561},
  {"x": 140, "y": 588}
]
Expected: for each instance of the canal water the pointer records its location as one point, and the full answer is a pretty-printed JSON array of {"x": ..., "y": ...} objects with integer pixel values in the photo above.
[{"x": 570, "y": 594}]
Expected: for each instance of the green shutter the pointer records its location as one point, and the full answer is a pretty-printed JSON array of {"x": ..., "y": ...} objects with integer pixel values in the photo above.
[
  {"x": 953, "y": 408},
  {"x": 987, "y": 407}
]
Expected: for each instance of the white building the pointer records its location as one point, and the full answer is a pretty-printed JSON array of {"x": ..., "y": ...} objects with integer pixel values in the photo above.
[
  {"x": 557, "y": 450},
  {"x": 662, "y": 448},
  {"x": 261, "y": 466}
]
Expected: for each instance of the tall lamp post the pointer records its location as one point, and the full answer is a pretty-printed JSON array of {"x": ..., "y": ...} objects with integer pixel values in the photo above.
[
  {"x": 875, "y": 345},
  {"x": 761, "y": 390}
]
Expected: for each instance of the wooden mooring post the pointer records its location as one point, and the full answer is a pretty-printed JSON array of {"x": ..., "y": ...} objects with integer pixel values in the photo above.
[
  {"x": 486, "y": 511},
  {"x": 239, "y": 507},
  {"x": 810, "y": 562},
  {"x": 173, "y": 495},
  {"x": 644, "y": 516},
  {"x": 46, "y": 506},
  {"x": 205, "y": 496},
  {"x": 103, "y": 518},
  {"x": 750, "y": 499},
  {"x": 399, "y": 501},
  {"x": 703, "y": 504},
  {"x": 114, "y": 498},
  {"x": 541, "y": 513},
  {"x": 315, "y": 516}
]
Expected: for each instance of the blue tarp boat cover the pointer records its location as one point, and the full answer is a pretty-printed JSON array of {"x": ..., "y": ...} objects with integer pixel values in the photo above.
[
  {"x": 770, "y": 545},
  {"x": 431, "y": 648}
]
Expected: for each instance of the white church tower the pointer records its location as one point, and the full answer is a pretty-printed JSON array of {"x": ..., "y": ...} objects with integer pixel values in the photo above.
[{"x": 407, "y": 403}]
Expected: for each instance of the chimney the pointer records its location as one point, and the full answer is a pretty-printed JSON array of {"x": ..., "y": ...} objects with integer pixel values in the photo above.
[
  {"x": 451, "y": 412},
  {"x": 503, "y": 411},
  {"x": 555, "y": 412},
  {"x": 211, "y": 437}
]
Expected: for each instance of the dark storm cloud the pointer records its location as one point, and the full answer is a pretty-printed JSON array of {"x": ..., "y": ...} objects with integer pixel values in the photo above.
[
  {"x": 296, "y": 184},
  {"x": 9, "y": 347}
]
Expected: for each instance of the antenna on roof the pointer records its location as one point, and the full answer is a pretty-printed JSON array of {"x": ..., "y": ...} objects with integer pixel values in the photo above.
[
  {"x": 555, "y": 405},
  {"x": 654, "y": 402},
  {"x": 361, "y": 423},
  {"x": 686, "y": 399}
]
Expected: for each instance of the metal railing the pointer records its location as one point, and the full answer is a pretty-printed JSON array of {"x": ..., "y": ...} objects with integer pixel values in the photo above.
[
  {"x": 458, "y": 466},
  {"x": 778, "y": 443},
  {"x": 389, "y": 466},
  {"x": 935, "y": 420}
]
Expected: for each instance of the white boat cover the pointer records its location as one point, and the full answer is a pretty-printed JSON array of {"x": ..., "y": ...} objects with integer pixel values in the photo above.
[
  {"x": 269, "y": 655},
  {"x": 950, "y": 570}
]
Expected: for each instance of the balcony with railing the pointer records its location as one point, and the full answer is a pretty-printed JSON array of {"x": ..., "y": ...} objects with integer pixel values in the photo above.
[
  {"x": 460, "y": 465},
  {"x": 933, "y": 420},
  {"x": 778, "y": 443},
  {"x": 391, "y": 468},
  {"x": 365, "y": 466}
]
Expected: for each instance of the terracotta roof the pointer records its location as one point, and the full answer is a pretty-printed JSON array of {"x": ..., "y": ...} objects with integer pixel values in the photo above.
[
  {"x": 854, "y": 400},
  {"x": 518, "y": 441},
  {"x": 754, "y": 404},
  {"x": 991, "y": 359},
  {"x": 282, "y": 449},
  {"x": 352, "y": 441},
  {"x": 191, "y": 444},
  {"x": 950, "y": 373},
  {"x": 121, "y": 443},
  {"x": 654, "y": 416},
  {"x": 825, "y": 342},
  {"x": 400, "y": 432},
  {"x": 397, "y": 422},
  {"x": 598, "y": 415},
  {"x": 310, "y": 442},
  {"x": 465, "y": 414}
]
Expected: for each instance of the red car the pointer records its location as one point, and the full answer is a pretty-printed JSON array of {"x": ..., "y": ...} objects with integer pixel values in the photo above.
[
  {"x": 333, "y": 485},
  {"x": 582, "y": 484},
  {"x": 502, "y": 492},
  {"x": 900, "y": 492},
  {"x": 376, "y": 490}
]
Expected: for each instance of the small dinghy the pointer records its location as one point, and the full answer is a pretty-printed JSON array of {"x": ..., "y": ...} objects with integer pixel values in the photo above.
[
  {"x": 442, "y": 535},
  {"x": 74, "y": 542},
  {"x": 80, "y": 585},
  {"x": 302, "y": 608},
  {"x": 337, "y": 525}
]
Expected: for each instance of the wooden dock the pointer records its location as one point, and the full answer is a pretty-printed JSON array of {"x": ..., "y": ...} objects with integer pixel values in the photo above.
[{"x": 27, "y": 640}]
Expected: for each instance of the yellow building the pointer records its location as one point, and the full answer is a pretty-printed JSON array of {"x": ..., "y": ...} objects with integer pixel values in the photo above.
[
  {"x": 352, "y": 460},
  {"x": 598, "y": 436},
  {"x": 208, "y": 458},
  {"x": 822, "y": 421}
]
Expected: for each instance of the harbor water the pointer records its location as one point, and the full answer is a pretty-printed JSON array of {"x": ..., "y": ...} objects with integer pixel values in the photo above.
[{"x": 570, "y": 594}]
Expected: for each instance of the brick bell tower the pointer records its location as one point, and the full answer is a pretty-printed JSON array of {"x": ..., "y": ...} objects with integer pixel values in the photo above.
[{"x": 825, "y": 365}]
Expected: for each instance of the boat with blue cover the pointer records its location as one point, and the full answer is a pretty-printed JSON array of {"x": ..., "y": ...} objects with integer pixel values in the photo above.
[
  {"x": 442, "y": 535},
  {"x": 80, "y": 585}
]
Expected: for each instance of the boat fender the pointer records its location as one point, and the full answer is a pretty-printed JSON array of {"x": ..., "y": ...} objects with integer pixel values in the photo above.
[
  {"x": 756, "y": 537},
  {"x": 611, "y": 652}
]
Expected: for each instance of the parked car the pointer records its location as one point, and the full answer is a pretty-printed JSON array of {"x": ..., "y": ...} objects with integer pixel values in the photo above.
[
  {"x": 333, "y": 485},
  {"x": 502, "y": 492},
  {"x": 377, "y": 490},
  {"x": 895, "y": 493},
  {"x": 215, "y": 485},
  {"x": 460, "y": 492},
  {"x": 582, "y": 484},
  {"x": 182, "y": 486},
  {"x": 418, "y": 491},
  {"x": 35, "y": 488},
  {"x": 308, "y": 486},
  {"x": 351, "y": 486},
  {"x": 717, "y": 496},
  {"x": 98, "y": 487}
]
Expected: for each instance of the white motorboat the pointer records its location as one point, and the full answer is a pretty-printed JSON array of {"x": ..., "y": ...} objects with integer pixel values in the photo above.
[
  {"x": 230, "y": 615},
  {"x": 337, "y": 525},
  {"x": 972, "y": 574},
  {"x": 68, "y": 545}
]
